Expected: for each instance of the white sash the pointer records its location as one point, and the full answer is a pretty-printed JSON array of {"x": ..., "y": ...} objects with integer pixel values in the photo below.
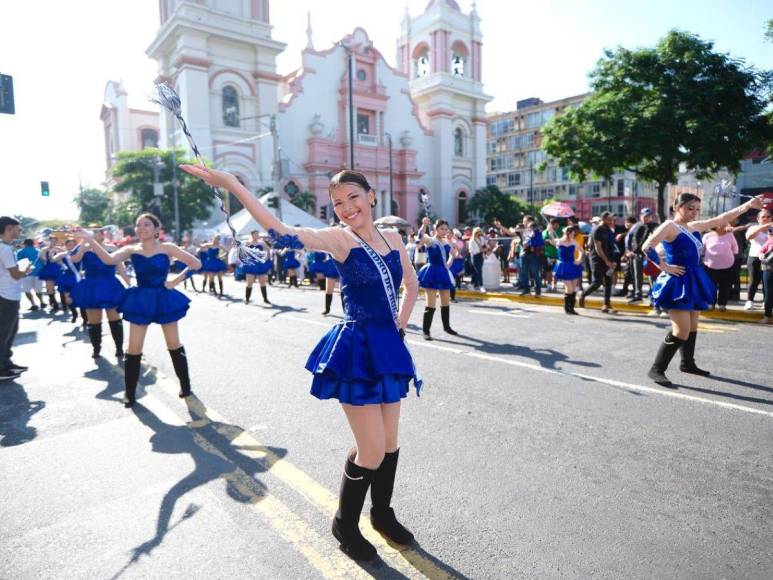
[
  {"x": 72, "y": 268},
  {"x": 445, "y": 261},
  {"x": 386, "y": 276}
]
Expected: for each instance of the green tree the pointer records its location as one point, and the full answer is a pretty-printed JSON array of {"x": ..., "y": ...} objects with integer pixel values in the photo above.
[
  {"x": 94, "y": 205},
  {"x": 305, "y": 200},
  {"x": 490, "y": 203},
  {"x": 653, "y": 109},
  {"x": 135, "y": 173},
  {"x": 769, "y": 30}
]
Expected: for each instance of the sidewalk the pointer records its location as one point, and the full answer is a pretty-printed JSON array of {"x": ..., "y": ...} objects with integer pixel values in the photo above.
[{"x": 734, "y": 312}]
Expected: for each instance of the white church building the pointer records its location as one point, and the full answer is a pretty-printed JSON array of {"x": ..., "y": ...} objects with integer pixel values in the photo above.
[{"x": 431, "y": 105}]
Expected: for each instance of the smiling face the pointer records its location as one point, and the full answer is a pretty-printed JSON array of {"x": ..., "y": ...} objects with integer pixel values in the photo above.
[
  {"x": 352, "y": 205},
  {"x": 441, "y": 231},
  {"x": 145, "y": 229},
  {"x": 255, "y": 237},
  {"x": 689, "y": 211},
  {"x": 764, "y": 216}
]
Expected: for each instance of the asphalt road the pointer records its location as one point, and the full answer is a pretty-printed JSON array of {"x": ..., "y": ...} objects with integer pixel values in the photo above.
[{"x": 538, "y": 448}]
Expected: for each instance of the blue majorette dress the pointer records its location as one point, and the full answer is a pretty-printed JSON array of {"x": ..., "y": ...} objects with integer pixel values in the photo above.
[
  {"x": 363, "y": 360},
  {"x": 212, "y": 262},
  {"x": 151, "y": 301},
  {"x": 565, "y": 268},
  {"x": 693, "y": 290},
  {"x": 457, "y": 266},
  {"x": 50, "y": 270},
  {"x": 100, "y": 288},
  {"x": 290, "y": 261},
  {"x": 256, "y": 267},
  {"x": 435, "y": 275},
  {"x": 317, "y": 263},
  {"x": 329, "y": 268},
  {"x": 70, "y": 276}
]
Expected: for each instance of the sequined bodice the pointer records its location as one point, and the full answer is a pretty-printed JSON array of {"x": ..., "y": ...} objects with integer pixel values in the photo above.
[
  {"x": 364, "y": 296},
  {"x": 151, "y": 271},
  {"x": 93, "y": 266},
  {"x": 213, "y": 253},
  {"x": 683, "y": 251},
  {"x": 566, "y": 253},
  {"x": 435, "y": 256}
]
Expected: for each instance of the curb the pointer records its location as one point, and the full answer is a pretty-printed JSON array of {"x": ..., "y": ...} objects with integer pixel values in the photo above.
[{"x": 596, "y": 304}]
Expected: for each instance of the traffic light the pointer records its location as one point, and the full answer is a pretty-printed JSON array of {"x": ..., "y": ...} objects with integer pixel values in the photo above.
[
  {"x": 273, "y": 202},
  {"x": 323, "y": 213},
  {"x": 44, "y": 191},
  {"x": 6, "y": 94}
]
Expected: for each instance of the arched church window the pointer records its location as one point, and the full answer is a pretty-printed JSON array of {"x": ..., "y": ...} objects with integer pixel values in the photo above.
[
  {"x": 457, "y": 65},
  {"x": 149, "y": 138},
  {"x": 422, "y": 66},
  {"x": 459, "y": 54},
  {"x": 230, "y": 107},
  {"x": 461, "y": 207},
  {"x": 458, "y": 142}
]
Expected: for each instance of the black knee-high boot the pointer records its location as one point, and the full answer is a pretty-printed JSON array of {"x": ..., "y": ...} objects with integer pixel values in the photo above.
[
  {"x": 131, "y": 374},
  {"x": 63, "y": 302},
  {"x": 382, "y": 516},
  {"x": 220, "y": 285},
  {"x": 74, "y": 312},
  {"x": 453, "y": 293},
  {"x": 52, "y": 302},
  {"x": 40, "y": 299},
  {"x": 445, "y": 316},
  {"x": 666, "y": 352},
  {"x": 688, "y": 357},
  {"x": 84, "y": 318},
  {"x": 95, "y": 335},
  {"x": 426, "y": 325},
  {"x": 212, "y": 286},
  {"x": 321, "y": 284},
  {"x": 354, "y": 487},
  {"x": 247, "y": 294},
  {"x": 572, "y": 302},
  {"x": 328, "y": 302},
  {"x": 180, "y": 364},
  {"x": 264, "y": 293},
  {"x": 294, "y": 281},
  {"x": 116, "y": 330},
  {"x": 567, "y": 303}
]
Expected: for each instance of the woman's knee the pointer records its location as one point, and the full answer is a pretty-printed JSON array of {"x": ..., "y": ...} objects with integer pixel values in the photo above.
[{"x": 370, "y": 457}]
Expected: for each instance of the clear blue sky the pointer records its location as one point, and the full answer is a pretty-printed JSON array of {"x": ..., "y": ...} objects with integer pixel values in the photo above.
[{"x": 531, "y": 48}]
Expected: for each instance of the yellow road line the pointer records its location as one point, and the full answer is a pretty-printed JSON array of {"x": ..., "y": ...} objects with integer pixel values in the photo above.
[
  {"x": 403, "y": 559},
  {"x": 319, "y": 552}
]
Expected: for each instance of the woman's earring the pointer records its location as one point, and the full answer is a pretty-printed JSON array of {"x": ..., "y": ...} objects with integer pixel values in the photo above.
[{"x": 373, "y": 204}]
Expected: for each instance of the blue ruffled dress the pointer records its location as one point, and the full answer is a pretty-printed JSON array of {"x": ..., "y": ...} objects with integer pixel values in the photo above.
[
  {"x": 434, "y": 274},
  {"x": 291, "y": 261},
  {"x": 50, "y": 270},
  {"x": 693, "y": 290},
  {"x": 457, "y": 266},
  {"x": 151, "y": 301},
  {"x": 363, "y": 360},
  {"x": 211, "y": 261},
  {"x": 317, "y": 263},
  {"x": 565, "y": 268},
  {"x": 67, "y": 279},
  {"x": 329, "y": 269},
  {"x": 100, "y": 288},
  {"x": 257, "y": 268}
]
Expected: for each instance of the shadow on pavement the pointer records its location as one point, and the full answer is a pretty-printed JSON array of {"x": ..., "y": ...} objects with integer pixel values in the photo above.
[
  {"x": 422, "y": 561},
  {"x": 16, "y": 410},
  {"x": 209, "y": 445},
  {"x": 741, "y": 383},
  {"x": 547, "y": 358},
  {"x": 724, "y": 394},
  {"x": 284, "y": 309}
]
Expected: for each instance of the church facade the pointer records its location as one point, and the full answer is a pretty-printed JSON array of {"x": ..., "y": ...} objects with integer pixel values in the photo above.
[{"x": 292, "y": 131}]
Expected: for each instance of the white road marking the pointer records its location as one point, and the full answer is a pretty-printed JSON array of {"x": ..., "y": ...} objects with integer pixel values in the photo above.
[{"x": 508, "y": 314}]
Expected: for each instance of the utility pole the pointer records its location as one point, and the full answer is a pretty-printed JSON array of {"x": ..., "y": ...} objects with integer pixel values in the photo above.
[
  {"x": 391, "y": 180},
  {"x": 277, "y": 168}
]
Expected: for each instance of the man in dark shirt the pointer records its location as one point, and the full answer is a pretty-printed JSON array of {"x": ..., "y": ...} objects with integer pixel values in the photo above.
[
  {"x": 639, "y": 233},
  {"x": 601, "y": 260}
]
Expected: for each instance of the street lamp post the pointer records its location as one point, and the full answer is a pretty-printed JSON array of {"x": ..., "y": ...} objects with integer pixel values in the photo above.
[{"x": 391, "y": 178}]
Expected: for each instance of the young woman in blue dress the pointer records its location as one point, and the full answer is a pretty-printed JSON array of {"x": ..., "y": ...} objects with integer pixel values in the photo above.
[
  {"x": 51, "y": 270},
  {"x": 330, "y": 272},
  {"x": 70, "y": 276},
  {"x": 363, "y": 361},
  {"x": 684, "y": 288},
  {"x": 435, "y": 276},
  {"x": 213, "y": 266},
  {"x": 153, "y": 300},
  {"x": 99, "y": 291},
  {"x": 316, "y": 261},
  {"x": 257, "y": 269},
  {"x": 568, "y": 267}
]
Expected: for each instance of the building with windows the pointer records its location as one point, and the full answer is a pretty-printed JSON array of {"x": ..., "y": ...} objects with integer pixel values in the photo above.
[
  {"x": 220, "y": 57},
  {"x": 517, "y": 164},
  {"x": 125, "y": 128},
  {"x": 429, "y": 111}
]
